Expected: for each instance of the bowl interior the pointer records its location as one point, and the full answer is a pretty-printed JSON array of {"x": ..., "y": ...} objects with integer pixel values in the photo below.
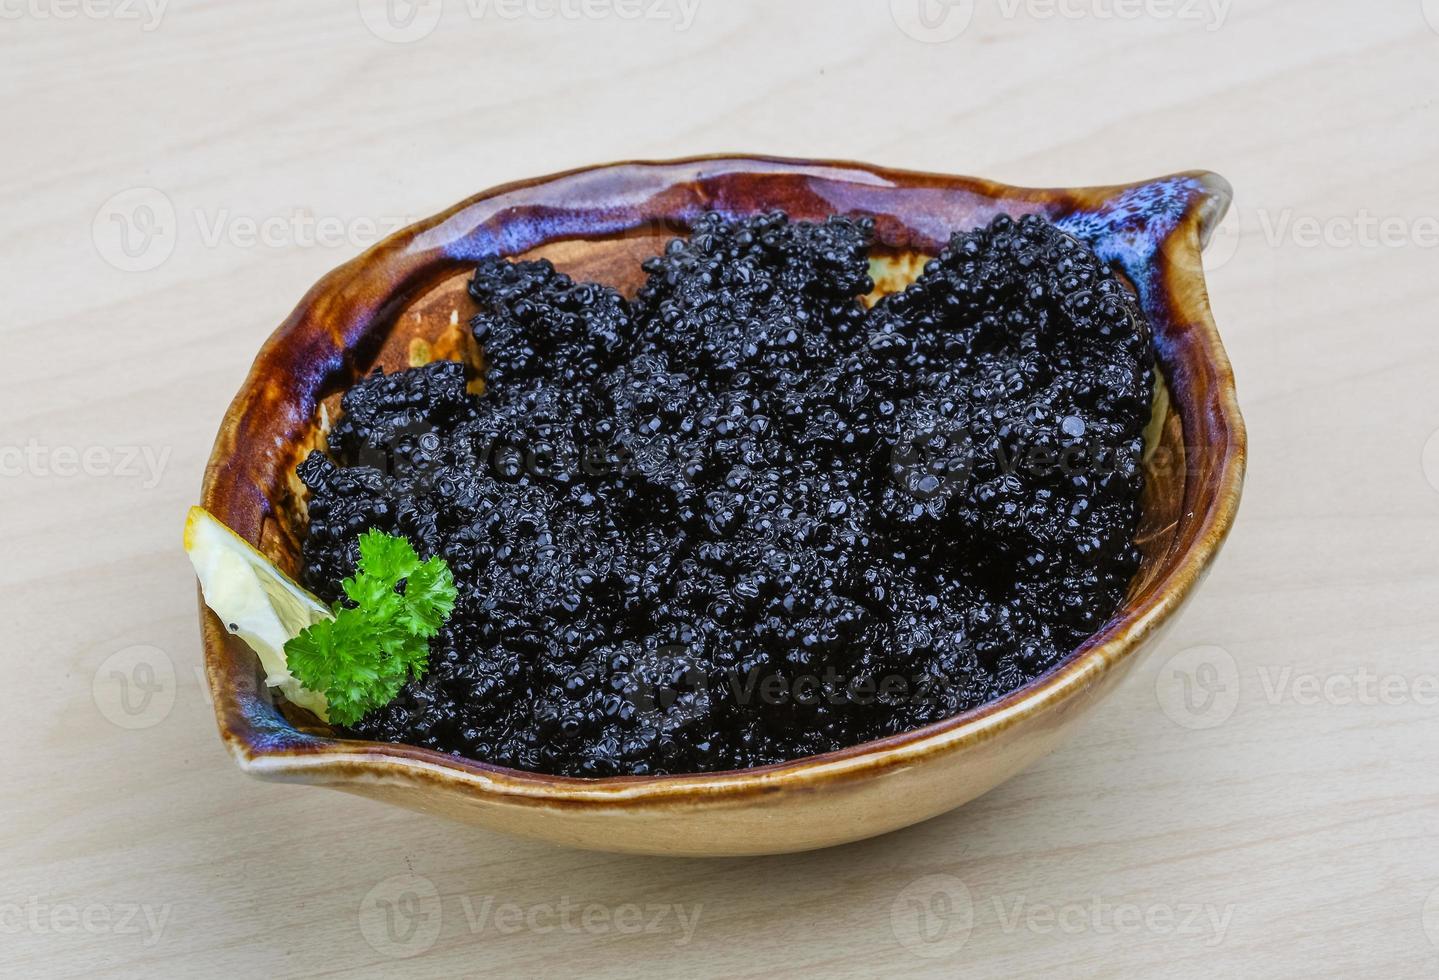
[{"x": 402, "y": 305}]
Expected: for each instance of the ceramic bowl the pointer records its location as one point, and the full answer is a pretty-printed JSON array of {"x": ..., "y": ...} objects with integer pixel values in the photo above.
[{"x": 403, "y": 302}]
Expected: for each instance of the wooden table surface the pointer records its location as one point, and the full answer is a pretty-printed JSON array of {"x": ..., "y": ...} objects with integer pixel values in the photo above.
[{"x": 1260, "y": 799}]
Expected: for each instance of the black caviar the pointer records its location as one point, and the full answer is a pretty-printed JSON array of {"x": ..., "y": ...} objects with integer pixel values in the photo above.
[{"x": 742, "y": 519}]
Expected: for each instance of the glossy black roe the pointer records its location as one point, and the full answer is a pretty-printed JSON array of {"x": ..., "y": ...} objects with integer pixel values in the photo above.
[{"x": 742, "y": 519}]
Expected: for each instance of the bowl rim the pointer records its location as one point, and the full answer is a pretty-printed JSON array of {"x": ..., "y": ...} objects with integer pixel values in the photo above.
[{"x": 266, "y": 745}]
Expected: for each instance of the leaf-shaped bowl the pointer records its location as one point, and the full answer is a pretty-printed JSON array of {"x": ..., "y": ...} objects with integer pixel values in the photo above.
[{"x": 403, "y": 302}]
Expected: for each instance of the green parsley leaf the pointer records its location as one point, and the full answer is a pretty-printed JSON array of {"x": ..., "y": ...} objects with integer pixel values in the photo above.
[{"x": 362, "y": 658}]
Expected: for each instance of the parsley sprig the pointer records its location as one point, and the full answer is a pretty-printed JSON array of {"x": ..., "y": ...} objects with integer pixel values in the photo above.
[{"x": 362, "y": 657}]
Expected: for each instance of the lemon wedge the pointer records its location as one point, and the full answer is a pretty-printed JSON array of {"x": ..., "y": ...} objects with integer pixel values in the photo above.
[{"x": 255, "y": 600}]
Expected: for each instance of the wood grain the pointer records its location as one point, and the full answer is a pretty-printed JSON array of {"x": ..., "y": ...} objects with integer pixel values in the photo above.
[{"x": 1293, "y": 838}]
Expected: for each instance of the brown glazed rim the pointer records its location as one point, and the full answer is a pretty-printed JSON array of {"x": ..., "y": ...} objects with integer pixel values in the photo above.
[{"x": 1154, "y": 230}]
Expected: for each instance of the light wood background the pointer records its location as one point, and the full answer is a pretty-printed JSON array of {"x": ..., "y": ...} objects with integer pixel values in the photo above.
[{"x": 1283, "y": 825}]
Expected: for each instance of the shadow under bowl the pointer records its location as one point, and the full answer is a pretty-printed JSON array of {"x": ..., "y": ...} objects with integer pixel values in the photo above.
[{"x": 403, "y": 302}]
